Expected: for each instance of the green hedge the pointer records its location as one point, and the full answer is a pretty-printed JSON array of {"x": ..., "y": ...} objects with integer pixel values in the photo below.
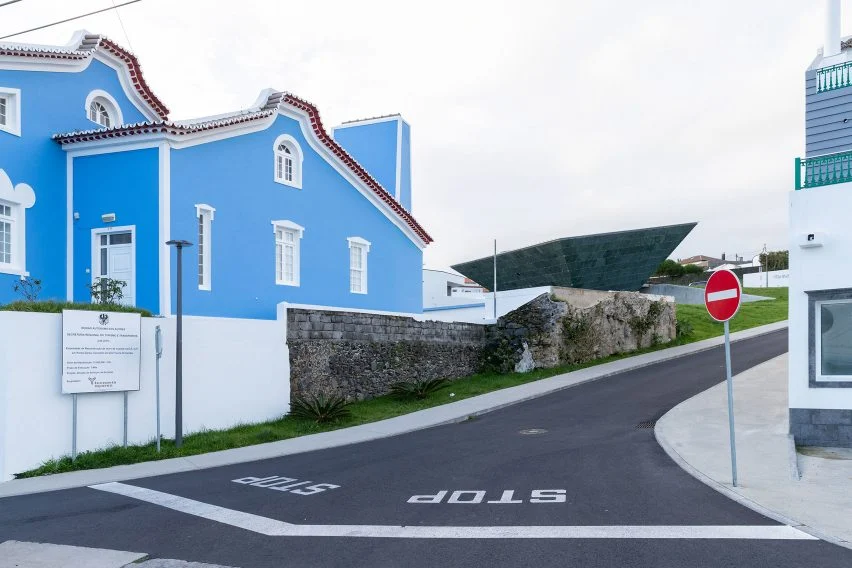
[{"x": 56, "y": 307}]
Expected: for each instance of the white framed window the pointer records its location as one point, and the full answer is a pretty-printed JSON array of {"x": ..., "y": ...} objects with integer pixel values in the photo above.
[
  {"x": 288, "y": 161},
  {"x": 833, "y": 336},
  {"x": 204, "y": 217},
  {"x": 358, "y": 249},
  {"x": 14, "y": 202},
  {"x": 10, "y": 110},
  {"x": 288, "y": 236},
  {"x": 102, "y": 109},
  {"x": 7, "y": 229}
]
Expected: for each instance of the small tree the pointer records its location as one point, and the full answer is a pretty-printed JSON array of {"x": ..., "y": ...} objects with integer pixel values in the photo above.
[
  {"x": 692, "y": 269},
  {"x": 107, "y": 290},
  {"x": 28, "y": 287},
  {"x": 775, "y": 260},
  {"x": 670, "y": 268}
]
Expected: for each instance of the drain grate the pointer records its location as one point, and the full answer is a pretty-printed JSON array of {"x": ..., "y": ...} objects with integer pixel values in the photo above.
[
  {"x": 647, "y": 425},
  {"x": 532, "y": 431}
]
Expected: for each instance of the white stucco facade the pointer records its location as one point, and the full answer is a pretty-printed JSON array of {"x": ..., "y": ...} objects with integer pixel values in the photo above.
[{"x": 819, "y": 264}]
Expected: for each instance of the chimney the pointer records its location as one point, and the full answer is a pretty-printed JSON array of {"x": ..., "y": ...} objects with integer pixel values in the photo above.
[
  {"x": 832, "y": 28},
  {"x": 723, "y": 256}
]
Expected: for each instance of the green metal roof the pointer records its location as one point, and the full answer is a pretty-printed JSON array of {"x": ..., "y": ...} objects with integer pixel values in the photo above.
[{"x": 608, "y": 261}]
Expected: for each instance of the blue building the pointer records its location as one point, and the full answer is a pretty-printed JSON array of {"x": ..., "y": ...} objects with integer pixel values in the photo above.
[{"x": 94, "y": 179}]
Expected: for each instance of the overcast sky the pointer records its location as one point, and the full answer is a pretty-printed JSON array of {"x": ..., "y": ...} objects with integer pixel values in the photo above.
[{"x": 530, "y": 121}]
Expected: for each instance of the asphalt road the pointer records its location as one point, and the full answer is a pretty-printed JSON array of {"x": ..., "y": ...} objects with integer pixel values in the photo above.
[{"x": 591, "y": 466}]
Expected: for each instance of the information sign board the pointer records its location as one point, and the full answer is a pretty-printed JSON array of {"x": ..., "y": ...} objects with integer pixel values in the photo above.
[{"x": 100, "y": 351}]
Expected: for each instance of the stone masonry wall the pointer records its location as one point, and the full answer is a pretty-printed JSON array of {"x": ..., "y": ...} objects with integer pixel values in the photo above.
[
  {"x": 573, "y": 326},
  {"x": 360, "y": 355}
]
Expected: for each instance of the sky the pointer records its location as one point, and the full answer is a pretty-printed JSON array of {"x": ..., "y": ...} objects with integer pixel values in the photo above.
[{"x": 530, "y": 121}]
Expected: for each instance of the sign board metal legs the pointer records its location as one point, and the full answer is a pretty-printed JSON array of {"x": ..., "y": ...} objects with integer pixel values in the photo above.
[
  {"x": 73, "y": 427},
  {"x": 158, "y": 347},
  {"x": 730, "y": 403},
  {"x": 125, "y": 419}
]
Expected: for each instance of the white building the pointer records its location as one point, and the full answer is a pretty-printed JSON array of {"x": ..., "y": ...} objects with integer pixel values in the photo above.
[{"x": 820, "y": 375}]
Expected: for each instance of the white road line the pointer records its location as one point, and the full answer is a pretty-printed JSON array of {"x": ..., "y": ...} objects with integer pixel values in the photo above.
[
  {"x": 272, "y": 527},
  {"x": 239, "y": 519},
  {"x": 722, "y": 295}
]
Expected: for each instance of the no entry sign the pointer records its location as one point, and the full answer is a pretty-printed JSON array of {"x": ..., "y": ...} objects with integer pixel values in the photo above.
[{"x": 722, "y": 295}]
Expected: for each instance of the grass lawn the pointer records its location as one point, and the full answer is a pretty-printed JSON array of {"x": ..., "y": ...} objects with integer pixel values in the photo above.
[{"x": 750, "y": 315}]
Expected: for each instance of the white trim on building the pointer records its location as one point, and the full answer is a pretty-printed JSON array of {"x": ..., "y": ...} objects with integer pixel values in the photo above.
[
  {"x": 108, "y": 105},
  {"x": 358, "y": 250},
  {"x": 288, "y": 161},
  {"x": 204, "y": 214},
  {"x": 10, "y": 110},
  {"x": 288, "y": 237}
]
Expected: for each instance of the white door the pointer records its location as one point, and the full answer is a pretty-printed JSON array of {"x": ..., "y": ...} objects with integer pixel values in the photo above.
[{"x": 115, "y": 261}]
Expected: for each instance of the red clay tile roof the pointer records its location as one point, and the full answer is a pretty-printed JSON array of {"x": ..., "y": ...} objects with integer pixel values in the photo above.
[
  {"x": 266, "y": 110},
  {"x": 88, "y": 45}
]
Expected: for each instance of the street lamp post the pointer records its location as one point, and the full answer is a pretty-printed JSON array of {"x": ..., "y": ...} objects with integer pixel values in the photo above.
[{"x": 179, "y": 245}]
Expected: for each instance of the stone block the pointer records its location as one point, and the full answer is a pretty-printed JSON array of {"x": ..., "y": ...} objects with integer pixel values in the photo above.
[{"x": 831, "y": 416}]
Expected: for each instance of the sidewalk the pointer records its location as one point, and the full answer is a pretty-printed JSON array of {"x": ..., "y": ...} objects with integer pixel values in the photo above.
[
  {"x": 695, "y": 435},
  {"x": 436, "y": 416}
]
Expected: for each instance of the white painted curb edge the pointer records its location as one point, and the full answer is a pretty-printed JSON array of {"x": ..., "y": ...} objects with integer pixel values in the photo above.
[
  {"x": 84, "y": 478},
  {"x": 728, "y": 491}
]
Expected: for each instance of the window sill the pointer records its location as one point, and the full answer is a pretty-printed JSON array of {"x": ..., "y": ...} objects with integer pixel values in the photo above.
[
  {"x": 292, "y": 184},
  {"x": 12, "y": 131},
  {"x": 205, "y": 288},
  {"x": 6, "y": 269},
  {"x": 364, "y": 293},
  {"x": 294, "y": 284}
]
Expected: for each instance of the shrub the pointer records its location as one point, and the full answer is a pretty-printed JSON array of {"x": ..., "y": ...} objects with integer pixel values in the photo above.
[
  {"x": 418, "y": 388},
  {"x": 683, "y": 329},
  {"x": 107, "y": 290},
  {"x": 56, "y": 307},
  {"x": 28, "y": 287},
  {"x": 319, "y": 408}
]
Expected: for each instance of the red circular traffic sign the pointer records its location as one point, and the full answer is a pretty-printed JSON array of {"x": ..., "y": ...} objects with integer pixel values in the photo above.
[{"x": 722, "y": 295}]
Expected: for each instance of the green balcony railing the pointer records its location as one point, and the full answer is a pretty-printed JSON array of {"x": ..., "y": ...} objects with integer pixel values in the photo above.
[
  {"x": 823, "y": 170},
  {"x": 834, "y": 77}
]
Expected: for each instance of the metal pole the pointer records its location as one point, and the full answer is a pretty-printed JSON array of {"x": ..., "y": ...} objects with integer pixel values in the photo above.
[
  {"x": 495, "y": 279},
  {"x": 158, "y": 346},
  {"x": 74, "y": 427},
  {"x": 179, "y": 353},
  {"x": 179, "y": 244},
  {"x": 730, "y": 403},
  {"x": 766, "y": 256},
  {"x": 125, "y": 419}
]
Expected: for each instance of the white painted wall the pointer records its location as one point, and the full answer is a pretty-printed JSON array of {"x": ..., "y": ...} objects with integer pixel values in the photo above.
[
  {"x": 506, "y": 302},
  {"x": 816, "y": 210},
  {"x": 777, "y": 279},
  {"x": 435, "y": 288},
  {"x": 235, "y": 370}
]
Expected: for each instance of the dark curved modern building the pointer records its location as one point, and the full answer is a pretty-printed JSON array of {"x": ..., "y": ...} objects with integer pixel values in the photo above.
[{"x": 607, "y": 261}]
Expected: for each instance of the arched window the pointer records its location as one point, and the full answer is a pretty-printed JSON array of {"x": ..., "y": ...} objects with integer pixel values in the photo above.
[
  {"x": 98, "y": 113},
  {"x": 288, "y": 161},
  {"x": 102, "y": 109}
]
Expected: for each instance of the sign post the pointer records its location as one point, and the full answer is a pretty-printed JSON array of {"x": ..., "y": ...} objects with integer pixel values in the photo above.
[
  {"x": 722, "y": 297},
  {"x": 100, "y": 353}
]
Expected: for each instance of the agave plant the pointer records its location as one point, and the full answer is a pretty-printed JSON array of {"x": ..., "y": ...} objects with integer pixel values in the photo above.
[
  {"x": 319, "y": 408},
  {"x": 417, "y": 388}
]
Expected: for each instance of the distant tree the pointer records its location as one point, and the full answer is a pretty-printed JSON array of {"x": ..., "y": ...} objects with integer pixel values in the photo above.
[
  {"x": 775, "y": 260},
  {"x": 670, "y": 268},
  {"x": 692, "y": 269}
]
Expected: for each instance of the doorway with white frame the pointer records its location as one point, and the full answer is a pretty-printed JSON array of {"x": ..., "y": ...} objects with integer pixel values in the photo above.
[{"x": 114, "y": 257}]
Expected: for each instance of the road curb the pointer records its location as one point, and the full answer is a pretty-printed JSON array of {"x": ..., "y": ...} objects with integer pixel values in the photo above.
[
  {"x": 436, "y": 416},
  {"x": 729, "y": 492}
]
